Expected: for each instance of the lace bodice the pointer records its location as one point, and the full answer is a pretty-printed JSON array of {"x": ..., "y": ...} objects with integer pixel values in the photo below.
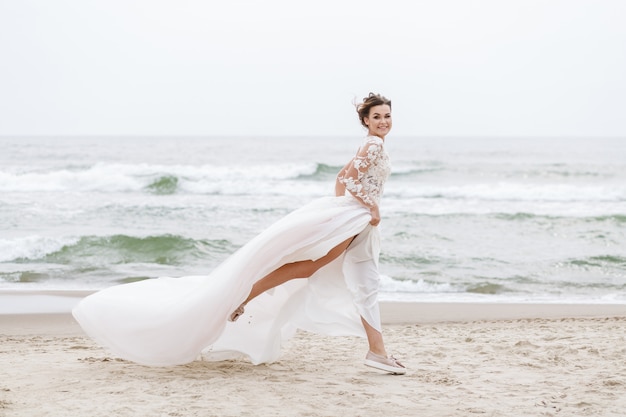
[{"x": 365, "y": 175}]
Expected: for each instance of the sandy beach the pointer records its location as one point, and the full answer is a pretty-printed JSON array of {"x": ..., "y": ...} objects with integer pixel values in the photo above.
[{"x": 463, "y": 358}]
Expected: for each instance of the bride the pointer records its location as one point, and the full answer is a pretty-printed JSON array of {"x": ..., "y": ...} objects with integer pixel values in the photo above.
[{"x": 252, "y": 302}]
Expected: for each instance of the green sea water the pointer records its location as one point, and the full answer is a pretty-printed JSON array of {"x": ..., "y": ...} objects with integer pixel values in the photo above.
[{"x": 463, "y": 218}]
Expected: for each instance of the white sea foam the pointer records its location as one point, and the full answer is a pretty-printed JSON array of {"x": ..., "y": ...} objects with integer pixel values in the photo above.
[
  {"x": 390, "y": 285},
  {"x": 105, "y": 177},
  {"x": 32, "y": 247},
  {"x": 273, "y": 179}
]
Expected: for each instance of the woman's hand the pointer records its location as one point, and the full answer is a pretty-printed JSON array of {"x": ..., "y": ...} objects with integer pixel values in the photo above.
[
  {"x": 340, "y": 189},
  {"x": 375, "y": 216}
]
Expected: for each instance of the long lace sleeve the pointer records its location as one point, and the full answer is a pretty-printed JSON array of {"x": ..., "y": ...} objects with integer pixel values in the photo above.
[{"x": 364, "y": 176}]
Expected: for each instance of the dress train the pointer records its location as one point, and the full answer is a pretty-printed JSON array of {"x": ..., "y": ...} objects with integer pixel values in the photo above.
[{"x": 171, "y": 321}]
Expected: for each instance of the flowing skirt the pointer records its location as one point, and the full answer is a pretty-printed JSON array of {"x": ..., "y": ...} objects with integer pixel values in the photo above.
[{"x": 171, "y": 321}]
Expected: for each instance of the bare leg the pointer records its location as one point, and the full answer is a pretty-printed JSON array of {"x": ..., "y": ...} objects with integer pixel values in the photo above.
[
  {"x": 301, "y": 269},
  {"x": 374, "y": 339},
  {"x": 304, "y": 269},
  {"x": 377, "y": 355}
]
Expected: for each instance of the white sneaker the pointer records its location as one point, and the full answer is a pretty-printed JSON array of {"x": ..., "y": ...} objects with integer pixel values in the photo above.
[{"x": 387, "y": 364}]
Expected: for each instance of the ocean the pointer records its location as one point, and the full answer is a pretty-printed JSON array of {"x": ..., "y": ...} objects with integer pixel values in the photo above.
[{"x": 463, "y": 219}]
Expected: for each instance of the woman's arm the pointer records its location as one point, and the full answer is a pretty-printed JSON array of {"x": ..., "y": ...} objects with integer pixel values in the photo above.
[
  {"x": 340, "y": 187},
  {"x": 349, "y": 178}
]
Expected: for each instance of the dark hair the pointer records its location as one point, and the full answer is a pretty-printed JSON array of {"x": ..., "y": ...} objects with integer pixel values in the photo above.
[{"x": 363, "y": 109}]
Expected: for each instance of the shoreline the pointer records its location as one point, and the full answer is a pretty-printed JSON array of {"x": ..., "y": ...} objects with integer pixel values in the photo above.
[
  {"x": 392, "y": 314},
  {"x": 49, "y": 311},
  {"x": 16, "y": 302}
]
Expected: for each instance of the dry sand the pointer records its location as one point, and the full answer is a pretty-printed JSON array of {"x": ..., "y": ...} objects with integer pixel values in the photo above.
[{"x": 463, "y": 359}]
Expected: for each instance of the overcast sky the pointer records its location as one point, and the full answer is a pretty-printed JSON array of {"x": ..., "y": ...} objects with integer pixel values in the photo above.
[{"x": 287, "y": 67}]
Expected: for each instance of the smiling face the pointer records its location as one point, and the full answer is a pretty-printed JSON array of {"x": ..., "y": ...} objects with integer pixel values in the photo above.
[{"x": 379, "y": 121}]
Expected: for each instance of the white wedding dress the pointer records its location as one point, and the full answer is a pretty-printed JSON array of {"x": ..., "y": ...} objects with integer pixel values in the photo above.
[{"x": 171, "y": 321}]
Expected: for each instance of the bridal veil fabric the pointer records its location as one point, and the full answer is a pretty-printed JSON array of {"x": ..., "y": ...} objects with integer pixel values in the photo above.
[{"x": 171, "y": 321}]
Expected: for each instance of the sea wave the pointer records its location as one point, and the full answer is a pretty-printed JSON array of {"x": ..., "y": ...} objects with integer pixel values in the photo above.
[
  {"x": 408, "y": 171},
  {"x": 288, "y": 179},
  {"x": 115, "y": 249},
  {"x": 392, "y": 285},
  {"x": 511, "y": 191},
  {"x": 547, "y": 172},
  {"x": 32, "y": 247},
  {"x": 603, "y": 262},
  {"x": 523, "y": 216},
  {"x": 105, "y": 177},
  {"x": 322, "y": 172}
]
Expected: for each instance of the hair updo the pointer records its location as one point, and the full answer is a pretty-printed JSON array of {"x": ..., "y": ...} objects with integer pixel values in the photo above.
[{"x": 372, "y": 100}]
